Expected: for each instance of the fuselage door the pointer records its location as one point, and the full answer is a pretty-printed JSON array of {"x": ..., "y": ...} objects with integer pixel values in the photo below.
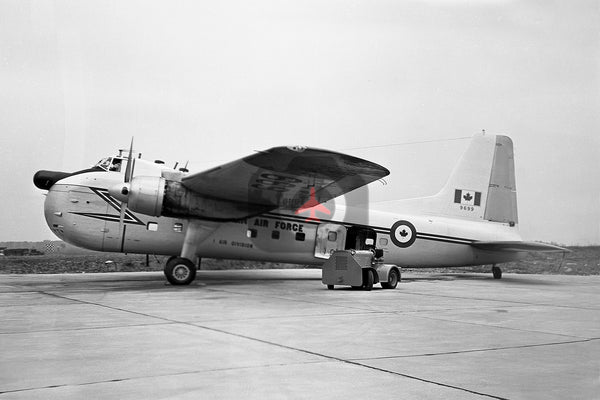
[{"x": 330, "y": 237}]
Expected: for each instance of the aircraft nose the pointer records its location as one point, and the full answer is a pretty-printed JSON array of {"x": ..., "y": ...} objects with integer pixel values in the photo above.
[{"x": 45, "y": 179}]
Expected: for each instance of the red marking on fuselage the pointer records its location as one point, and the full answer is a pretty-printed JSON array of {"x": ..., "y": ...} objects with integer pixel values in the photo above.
[{"x": 312, "y": 206}]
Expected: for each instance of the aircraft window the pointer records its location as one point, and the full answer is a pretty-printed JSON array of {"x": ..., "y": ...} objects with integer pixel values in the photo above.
[
  {"x": 251, "y": 233},
  {"x": 300, "y": 236},
  {"x": 152, "y": 226},
  {"x": 104, "y": 163},
  {"x": 178, "y": 227},
  {"x": 369, "y": 242},
  {"x": 275, "y": 235},
  {"x": 332, "y": 236},
  {"x": 115, "y": 165},
  {"x": 383, "y": 242}
]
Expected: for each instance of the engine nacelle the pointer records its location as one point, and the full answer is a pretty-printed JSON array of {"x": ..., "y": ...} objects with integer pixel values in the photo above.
[{"x": 146, "y": 194}]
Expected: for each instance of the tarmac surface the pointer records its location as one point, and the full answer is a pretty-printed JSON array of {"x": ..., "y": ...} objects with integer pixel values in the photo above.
[{"x": 277, "y": 334}]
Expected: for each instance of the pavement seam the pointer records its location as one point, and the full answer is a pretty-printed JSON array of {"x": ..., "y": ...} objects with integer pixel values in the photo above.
[
  {"x": 353, "y": 362},
  {"x": 525, "y": 346},
  {"x": 501, "y": 301},
  {"x": 157, "y": 376},
  {"x": 295, "y": 300},
  {"x": 496, "y": 326},
  {"x": 415, "y": 313},
  {"x": 328, "y": 357},
  {"x": 91, "y": 328}
]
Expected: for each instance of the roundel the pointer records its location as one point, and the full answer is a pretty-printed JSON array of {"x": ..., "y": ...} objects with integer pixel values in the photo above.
[{"x": 403, "y": 234}]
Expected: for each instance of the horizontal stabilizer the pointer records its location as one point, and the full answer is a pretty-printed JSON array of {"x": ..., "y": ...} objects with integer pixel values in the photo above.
[{"x": 518, "y": 246}]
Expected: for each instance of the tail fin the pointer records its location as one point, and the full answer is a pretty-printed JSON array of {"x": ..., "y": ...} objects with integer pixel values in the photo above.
[{"x": 481, "y": 186}]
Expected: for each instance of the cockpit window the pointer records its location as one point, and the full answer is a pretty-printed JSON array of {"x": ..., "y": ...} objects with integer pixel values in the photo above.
[
  {"x": 104, "y": 163},
  {"x": 116, "y": 165},
  {"x": 110, "y": 164}
]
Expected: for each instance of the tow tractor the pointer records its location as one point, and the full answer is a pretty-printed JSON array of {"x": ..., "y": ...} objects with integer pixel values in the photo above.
[{"x": 360, "y": 269}]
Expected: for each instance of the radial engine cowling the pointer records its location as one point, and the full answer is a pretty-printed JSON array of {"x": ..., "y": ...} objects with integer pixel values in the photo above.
[{"x": 146, "y": 194}]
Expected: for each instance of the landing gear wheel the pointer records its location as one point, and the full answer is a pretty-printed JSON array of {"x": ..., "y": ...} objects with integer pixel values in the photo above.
[
  {"x": 369, "y": 278},
  {"x": 180, "y": 271},
  {"x": 330, "y": 287},
  {"x": 497, "y": 272},
  {"x": 393, "y": 279}
]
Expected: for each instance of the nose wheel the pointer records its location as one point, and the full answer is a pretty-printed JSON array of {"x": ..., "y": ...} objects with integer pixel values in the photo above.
[{"x": 180, "y": 271}]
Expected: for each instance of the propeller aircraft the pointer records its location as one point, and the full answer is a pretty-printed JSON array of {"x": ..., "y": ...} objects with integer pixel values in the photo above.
[{"x": 280, "y": 205}]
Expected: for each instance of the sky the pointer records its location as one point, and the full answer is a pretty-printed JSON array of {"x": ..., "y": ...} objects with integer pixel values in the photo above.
[{"x": 400, "y": 83}]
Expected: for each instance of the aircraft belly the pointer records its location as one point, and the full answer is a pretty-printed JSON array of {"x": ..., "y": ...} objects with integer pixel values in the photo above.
[
  {"x": 231, "y": 241},
  {"x": 426, "y": 253},
  {"x": 430, "y": 254},
  {"x": 163, "y": 240}
]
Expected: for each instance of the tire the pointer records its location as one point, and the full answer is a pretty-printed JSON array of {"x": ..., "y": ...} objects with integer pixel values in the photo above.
[
  {"x": 180, "y": 271},
  {"x": 369, "y": 278},
  {"x": 330, "y": 287},
  {"x": 393, "y": 279},
  {"x": 497, "y": 272}
]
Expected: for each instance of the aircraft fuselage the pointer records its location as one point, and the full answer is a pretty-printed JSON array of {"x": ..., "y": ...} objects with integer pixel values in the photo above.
[{"x": 80, "y": 210}]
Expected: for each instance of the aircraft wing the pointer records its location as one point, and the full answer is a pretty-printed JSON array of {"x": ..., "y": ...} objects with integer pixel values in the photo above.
[
  {"x": 280, "y": 178},
  {"x": 518, "y": 246}
]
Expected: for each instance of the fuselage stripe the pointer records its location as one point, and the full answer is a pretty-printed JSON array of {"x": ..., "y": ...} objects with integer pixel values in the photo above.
[
  {"x": 450, "y": 240},
  {"x": 381, "y": 230}
]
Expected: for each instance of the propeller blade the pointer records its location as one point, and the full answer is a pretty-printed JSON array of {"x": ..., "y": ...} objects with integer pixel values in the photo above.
[
  {"x": 129, "y": 167},
  {"x": 128, "y": 175}
]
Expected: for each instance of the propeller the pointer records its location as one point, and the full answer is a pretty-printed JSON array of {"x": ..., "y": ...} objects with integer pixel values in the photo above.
[{"x": 125, "y": 188}]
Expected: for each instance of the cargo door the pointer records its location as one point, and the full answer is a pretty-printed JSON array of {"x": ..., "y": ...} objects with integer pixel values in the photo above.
[{"x": 330, "y": 237}]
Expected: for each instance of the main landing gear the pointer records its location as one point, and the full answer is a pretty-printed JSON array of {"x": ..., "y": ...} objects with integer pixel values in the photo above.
[
  {"x": 497, "y": 272},
  {"x": 180, "y": 271}
]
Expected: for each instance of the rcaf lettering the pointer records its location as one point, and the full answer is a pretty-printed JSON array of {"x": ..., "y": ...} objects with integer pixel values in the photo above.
[
  {"x": 288, "y": 226},
  {"x": 261, "y": 222}
]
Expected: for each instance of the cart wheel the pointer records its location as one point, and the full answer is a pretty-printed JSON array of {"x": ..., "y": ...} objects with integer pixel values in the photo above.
[
  {"x": 369, "y": 279},
  {"x": 330, "y": 287},
  {"x": 393, "y": 279},
  {"x": 497, "y": 272}
]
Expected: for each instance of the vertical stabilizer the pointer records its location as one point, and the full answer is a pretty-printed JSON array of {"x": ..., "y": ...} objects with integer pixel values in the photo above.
[{"x": 481, "y": 186}]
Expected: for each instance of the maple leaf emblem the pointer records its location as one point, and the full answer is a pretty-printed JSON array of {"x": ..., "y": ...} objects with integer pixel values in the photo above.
[
  {"x": 468, "y": 196},
  {"x": 403, "y": 233}
]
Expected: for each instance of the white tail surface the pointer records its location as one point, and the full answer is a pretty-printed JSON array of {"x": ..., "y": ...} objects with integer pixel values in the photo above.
[{"x": 481, "y": 186}]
